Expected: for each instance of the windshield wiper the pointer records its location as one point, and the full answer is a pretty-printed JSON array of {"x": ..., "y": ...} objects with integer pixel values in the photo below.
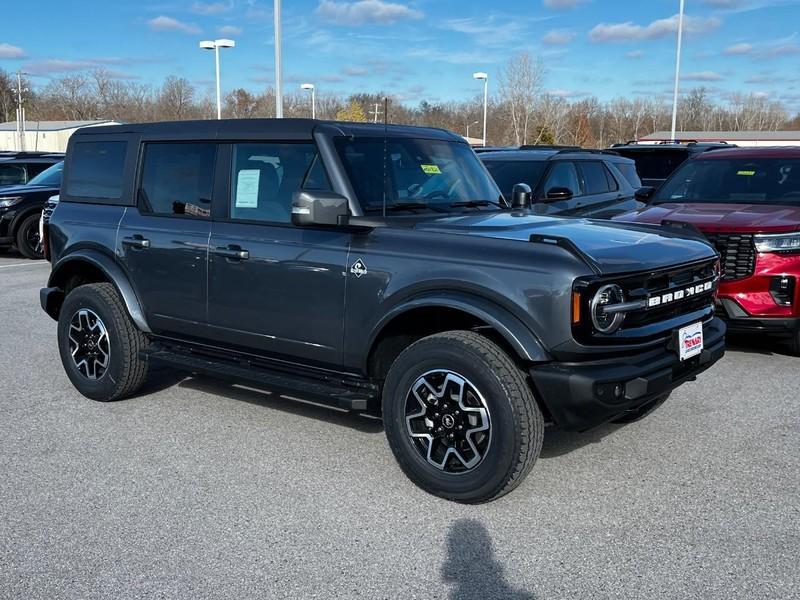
[
  {"x": 476, "y": 204},
  {"x": 400, "y": 206}
]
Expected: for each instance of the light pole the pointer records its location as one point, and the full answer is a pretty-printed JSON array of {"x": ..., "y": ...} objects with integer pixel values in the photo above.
[
  {"x": 485, "y": 78},
  {"x": 470, "y": 124},
  {"x": 677, "y": 73},
  {"x": 20, "y": 111},
  {"x": 278, "y": 63},
  {"x": 310, "y": 86},
  {"x": 215, "y": 45}
]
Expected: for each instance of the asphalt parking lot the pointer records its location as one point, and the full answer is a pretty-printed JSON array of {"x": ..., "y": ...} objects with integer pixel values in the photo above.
[{"x": 200, "y": 489}]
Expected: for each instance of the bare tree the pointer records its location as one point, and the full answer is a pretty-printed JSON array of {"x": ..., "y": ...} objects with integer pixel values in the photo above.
[
  {"x": 520, "y": 87},
  {"x": 175, "y": 99}
]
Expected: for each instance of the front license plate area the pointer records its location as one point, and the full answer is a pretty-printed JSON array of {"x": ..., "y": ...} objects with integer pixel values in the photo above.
[{"x": 690, "y": 341}]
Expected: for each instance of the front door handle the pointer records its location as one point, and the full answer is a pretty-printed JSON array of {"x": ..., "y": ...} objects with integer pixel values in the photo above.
[
  {"x": 136, "y": 241},
  {"x": 235, "y": 253}
]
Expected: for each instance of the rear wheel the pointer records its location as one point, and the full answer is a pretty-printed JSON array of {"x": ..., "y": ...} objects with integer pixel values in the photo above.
[
  {"x": 99, "y": 343},
  {"x": 794, "y": 344},
  {"x": 461, "y": 418},
  {"x": 28, "y": 239}
]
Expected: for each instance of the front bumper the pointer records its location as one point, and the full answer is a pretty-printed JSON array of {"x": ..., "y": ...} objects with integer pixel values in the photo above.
[
  {"x": 581, "y": 395},
  {"x": 738, "y": 321}
]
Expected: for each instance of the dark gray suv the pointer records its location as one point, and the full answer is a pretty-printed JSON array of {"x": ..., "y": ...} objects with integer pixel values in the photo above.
[{"x": 376, "y": 268}]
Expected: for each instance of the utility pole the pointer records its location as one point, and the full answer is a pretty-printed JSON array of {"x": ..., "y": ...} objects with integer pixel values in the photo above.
[
  {"x": 375, "y": 112},
  {"x": 278, "y": 63},
  {"x": 677, "y": 74},
  {"x": 20, "y": 113}
]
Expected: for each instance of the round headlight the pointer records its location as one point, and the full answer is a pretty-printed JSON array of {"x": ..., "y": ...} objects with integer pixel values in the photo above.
[{"x": 607, "y": 322}]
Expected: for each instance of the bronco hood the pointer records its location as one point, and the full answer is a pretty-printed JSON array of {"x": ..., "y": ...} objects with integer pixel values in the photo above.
[
  {"x": 612, "y": 247},
  {"x": 734, "y": 218}
]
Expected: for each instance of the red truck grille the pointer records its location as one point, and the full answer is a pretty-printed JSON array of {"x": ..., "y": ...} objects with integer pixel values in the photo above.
[{"x": 737, "y": 254}]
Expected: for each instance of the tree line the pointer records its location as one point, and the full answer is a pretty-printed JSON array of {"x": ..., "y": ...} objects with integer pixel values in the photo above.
[{"x": 520, "y": 110}]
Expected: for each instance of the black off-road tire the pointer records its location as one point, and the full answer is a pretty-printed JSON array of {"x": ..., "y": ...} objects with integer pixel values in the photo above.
[
  {"x": 126, "y": 371},
  {"x": 31, "y": 222},
  {"x": 517, "y": 425},
  {"x": 794, "y": 344}
]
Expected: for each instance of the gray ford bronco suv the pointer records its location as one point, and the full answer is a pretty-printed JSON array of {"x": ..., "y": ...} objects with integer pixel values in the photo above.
[{"x": 378, "y": 268}]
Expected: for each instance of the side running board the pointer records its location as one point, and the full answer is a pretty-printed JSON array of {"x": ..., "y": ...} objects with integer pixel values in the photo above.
[{"x": 353, "y": 395}]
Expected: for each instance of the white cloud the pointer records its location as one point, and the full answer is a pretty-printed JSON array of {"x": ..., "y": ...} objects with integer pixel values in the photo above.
[
  {"x": 163, "y": 23},
  {"x": 702, "y": 76},
  {"x": 562, "y": 4},
  {"x": 454, "y": 58},
  {"x": 631, "y": 32},
  {"x": 362, "y": 12},
  {"x": 558, "y": 37},
  {"x": 737, "y": 49},
  {"x": 634, "y": 54},
  {"x": 211, "y": 8},
  {"x": 9, "y": 51},
  {"x": 568, "y": 94},
  {"x": 58, "y": 65},
  {"x": 230, "y": 30}
]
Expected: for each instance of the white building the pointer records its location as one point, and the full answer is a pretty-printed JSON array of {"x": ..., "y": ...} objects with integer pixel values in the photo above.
[
  {"x": 47, "y": 136},
  {"x": 740, "y": 138}
]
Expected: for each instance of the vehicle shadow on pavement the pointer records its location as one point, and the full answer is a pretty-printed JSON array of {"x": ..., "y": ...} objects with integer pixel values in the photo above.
[
  {"x": 471, "y": 568},
  {"x": 558, "y": 442},
  {"x": 756, "y": 344},
  {"x": 294, "y": 406}
]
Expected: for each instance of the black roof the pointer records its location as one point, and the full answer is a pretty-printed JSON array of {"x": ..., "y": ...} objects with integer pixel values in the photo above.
[
  {"x": 689, "y": 147},
  {"x": 284, "y": 128},
  {"x": 567, "y": 153},
  {"x": 13, "y": 154}
]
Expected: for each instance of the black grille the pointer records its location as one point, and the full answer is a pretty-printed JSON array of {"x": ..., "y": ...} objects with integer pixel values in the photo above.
[
  {"x": 47, "y": 211},
  {"x": 737, "y": 254}
]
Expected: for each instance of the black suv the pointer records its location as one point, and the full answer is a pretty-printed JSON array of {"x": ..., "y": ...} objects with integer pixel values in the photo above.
[
  {"x": 375, "y": 267},
  {"x": 656, "y": 162},
  {"x": 18, "y": 168},
  {"x": 568, "y": 181},
  {"x": 20, "y": 209}
]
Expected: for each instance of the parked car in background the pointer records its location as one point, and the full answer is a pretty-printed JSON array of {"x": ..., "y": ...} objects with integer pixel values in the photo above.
[
  {"x": 377, "y": 268},
  {"x": 747, "y": 203},
  {"x": 44, "y": 222},
  {"x": 21, "y": 208},
  {"x": 656, "y": 162},
  {"x": 18, "y": 168},
  {"x": 568, "y": 181}
]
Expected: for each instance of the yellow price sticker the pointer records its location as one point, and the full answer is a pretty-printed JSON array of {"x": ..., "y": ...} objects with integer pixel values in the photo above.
[
  {"x": 748, "y": 173},
  {"x": 431, "y": 169}
]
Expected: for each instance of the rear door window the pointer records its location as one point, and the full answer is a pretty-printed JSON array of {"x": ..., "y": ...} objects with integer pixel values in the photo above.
[
  {"x": 95, "y": 169},
  {"x": 594, "y": 177},
  {"x": 177, "y": 179}
]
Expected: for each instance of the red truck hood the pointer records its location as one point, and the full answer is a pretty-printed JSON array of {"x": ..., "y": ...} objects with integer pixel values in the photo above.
[{"x": 752, "y": 218}]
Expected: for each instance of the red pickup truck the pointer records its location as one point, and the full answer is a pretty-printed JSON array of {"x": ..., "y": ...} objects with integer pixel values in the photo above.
[{"x": 746, "y": 201}]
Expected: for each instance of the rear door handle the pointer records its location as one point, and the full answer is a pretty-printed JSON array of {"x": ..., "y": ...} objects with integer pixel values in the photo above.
[
  {"x": 231, "y": 252},
  {"x": 136, "y": 241}
]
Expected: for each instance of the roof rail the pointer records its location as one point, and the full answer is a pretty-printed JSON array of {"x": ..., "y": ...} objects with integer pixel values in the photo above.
[
  {"x": 584, "y": 150},
  {"x": 549, "y": 147}
]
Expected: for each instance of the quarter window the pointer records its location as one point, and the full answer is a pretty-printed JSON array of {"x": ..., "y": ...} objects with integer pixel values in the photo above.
[
  {"x": 95, "y": 169},
  {"x": 266, "y": 176},
  {"x": 177, "y": 179}
]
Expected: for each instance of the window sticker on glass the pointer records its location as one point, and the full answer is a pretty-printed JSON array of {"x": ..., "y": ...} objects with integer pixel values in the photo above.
[
  {"x": 247, "y": 188},
  {"x": 431, "y": 169},
  {"x": 746, "y": 173}
]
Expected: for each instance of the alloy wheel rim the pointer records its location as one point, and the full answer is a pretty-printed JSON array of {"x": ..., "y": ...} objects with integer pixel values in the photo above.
[
  {"x": 448, "y": 421},
  {"x": 89, "y": 344},
  {"x": 32, "y": 240}
]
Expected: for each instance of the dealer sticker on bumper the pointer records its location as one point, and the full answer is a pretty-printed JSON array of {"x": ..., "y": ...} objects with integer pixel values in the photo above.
[{"x": 690, "y": 340}]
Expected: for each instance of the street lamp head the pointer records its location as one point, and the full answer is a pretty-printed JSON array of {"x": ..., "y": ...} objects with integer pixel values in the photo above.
[
  {"x": 207, "y": 45},
  {"x": 480, "y": 75},
  {"x": 225, "y": 43},
  {"x": 307, "y": 86}
]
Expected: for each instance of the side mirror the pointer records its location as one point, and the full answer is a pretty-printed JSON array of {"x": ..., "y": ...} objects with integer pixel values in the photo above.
[
  {"x": 319, "y": 208},
  {"x": 644, "y": 193},
  {"x": 558, "y": 193},
  {"x": 521, "y": 196}
]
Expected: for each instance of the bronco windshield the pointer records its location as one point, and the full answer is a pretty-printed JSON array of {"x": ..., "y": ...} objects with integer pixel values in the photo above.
[
  {"x": 734, "y": 180},
  {"x": 416, "y": 175}
]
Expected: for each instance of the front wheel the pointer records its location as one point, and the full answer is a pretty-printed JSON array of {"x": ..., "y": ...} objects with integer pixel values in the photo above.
[
  {"x": 461, "y": 418},
  {"x": 99, "y": 344},
  {"x": 28, "y": 239}
]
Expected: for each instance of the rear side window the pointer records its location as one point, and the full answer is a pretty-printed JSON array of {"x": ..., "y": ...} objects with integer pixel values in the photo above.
[
  {"x": 177, "y": 179},
  {"x": 95, "y": 169},
  {"x": 629, "y": 173},
  {"x": 594, "y": 178}
]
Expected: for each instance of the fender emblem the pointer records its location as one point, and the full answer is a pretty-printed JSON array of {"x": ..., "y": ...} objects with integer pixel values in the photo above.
[{"x": 359, "y": 268}]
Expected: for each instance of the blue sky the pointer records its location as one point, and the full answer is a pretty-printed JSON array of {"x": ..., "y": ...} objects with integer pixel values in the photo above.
[{"x": 417, "y": 49}]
